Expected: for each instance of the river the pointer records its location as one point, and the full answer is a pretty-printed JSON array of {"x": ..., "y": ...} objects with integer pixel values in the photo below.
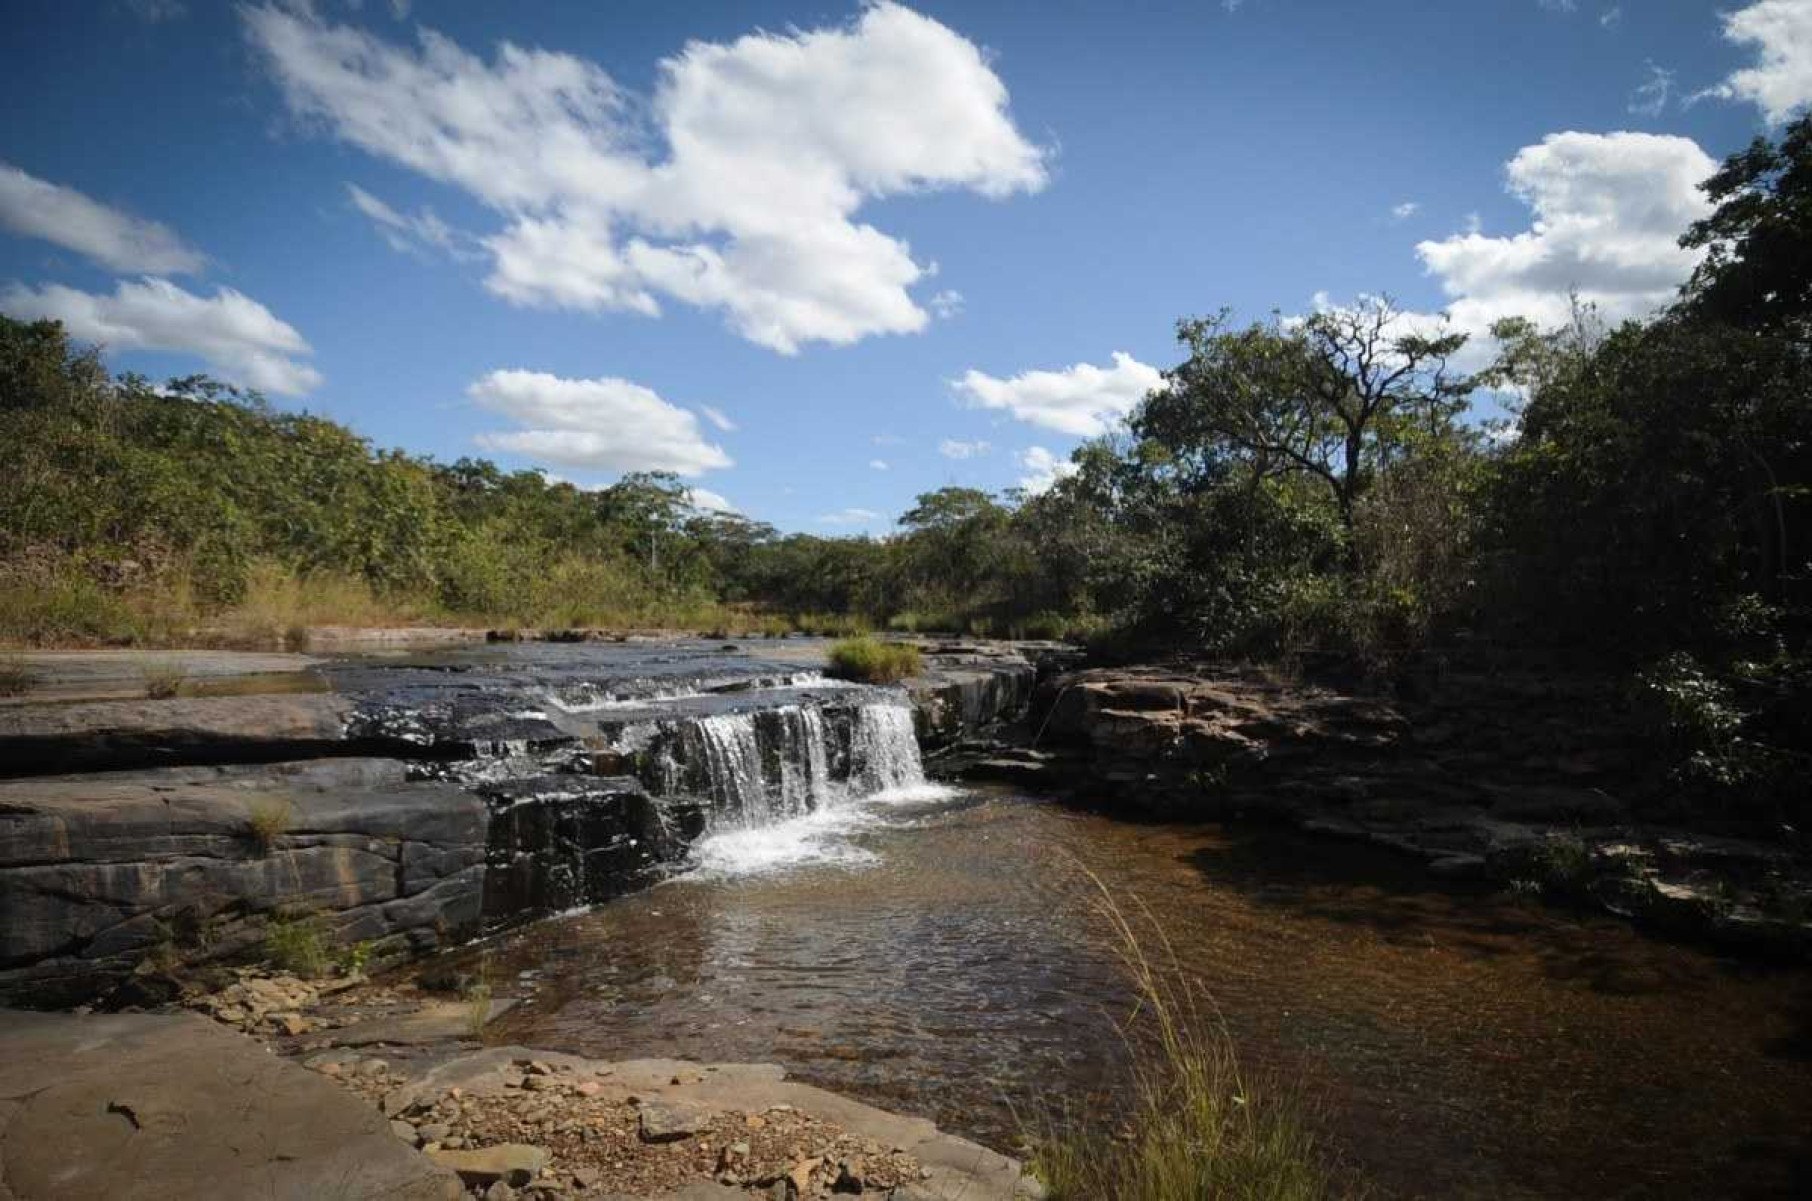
[{"x": 934, "y": 951}]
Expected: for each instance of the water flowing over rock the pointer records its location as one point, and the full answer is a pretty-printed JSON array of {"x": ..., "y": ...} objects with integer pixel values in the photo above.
[{"x": 411, "y": 801}]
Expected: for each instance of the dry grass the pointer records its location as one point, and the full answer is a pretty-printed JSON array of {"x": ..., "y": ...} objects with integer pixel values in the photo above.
[
  {"x": 16, "y": 676},
  {"x": 1196, "y": 1125},
  {"x": 267, "y": 821},
  {"x": 163, "y": 679}
]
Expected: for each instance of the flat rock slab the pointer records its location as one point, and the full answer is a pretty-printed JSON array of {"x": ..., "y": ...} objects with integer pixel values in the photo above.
[
  {"x": 117, "y": 674},
  {"x": 51, "y": 739},
  {"x": 127, "y": 1106}
]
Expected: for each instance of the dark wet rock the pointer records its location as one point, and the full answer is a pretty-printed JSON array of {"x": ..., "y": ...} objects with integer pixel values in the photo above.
[
  {"x": 969, "y": 689},
  {"x": 557, "y": 842}
]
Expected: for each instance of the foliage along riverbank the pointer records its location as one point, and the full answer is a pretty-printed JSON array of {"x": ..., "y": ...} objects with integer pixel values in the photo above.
[{"x": 1300, "y": 490}]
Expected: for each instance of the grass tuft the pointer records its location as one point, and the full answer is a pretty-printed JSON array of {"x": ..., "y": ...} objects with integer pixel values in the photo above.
[
  {"x": 16, "y": 676},
  {"x": 297, "y": 943},
  {"x": 267, "y": 821},
  {"x": 1196, "y": 1125},
  {"x": 872, "y": 661},
  {"x": 163, "y": 679}
]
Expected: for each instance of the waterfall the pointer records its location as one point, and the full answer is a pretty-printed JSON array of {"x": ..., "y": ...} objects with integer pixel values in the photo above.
[
  {"x": 757, "y": 768},
  {"x": 884, "y": 749}
]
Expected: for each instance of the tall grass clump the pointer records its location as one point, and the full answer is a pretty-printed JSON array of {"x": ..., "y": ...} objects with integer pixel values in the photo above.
[
  {"x": 267, "y": 821},
  {"x": 871, "y": 661},
  {"x": 163, "y": 679},
  {"x": 16, "y": 676},
  {"x": 1195, "y": 1125}
]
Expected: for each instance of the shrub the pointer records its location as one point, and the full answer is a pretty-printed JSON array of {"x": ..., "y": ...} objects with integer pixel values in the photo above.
[
  {"x": 872, "y": 661},
  {"x": 163, "y": 679},
  {"x": 297, "y": 943}
]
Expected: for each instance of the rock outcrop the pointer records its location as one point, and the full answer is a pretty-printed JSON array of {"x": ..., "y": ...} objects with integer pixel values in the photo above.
[
  {"x": 1524, "y": 780},
  {"x": 106, "y": 874},
  {"x": 404, "y": 801}
]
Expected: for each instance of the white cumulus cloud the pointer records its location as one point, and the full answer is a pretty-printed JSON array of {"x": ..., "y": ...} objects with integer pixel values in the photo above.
[
  {"x": 953, "y": 448},
  {"x": 1608, "y": 213},
  {"x": 735, "y": 186},
  {"x": 1404, "y": 211},
  {"x": 1780, "y": 83},
  {"x": 240, "y": 339},
  {"x": 718, "y": 418},
  {"x": 878, "y": 464},
  {"x": 119, "y": 241},
  {"x": 603, "y": 424},
  {"x": 1083, "y": 399},
  {"x": 1043, "y": 469}
]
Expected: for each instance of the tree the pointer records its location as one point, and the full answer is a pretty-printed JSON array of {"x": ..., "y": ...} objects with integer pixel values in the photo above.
[
  {"x": 1757, "y": 271},
  {"x": 1333, "y": 398}
]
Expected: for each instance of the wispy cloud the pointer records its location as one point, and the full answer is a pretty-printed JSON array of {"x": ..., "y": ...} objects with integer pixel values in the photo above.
[
  {"x": 116, "y": 240},
  {"x": 239, "y": 338}
]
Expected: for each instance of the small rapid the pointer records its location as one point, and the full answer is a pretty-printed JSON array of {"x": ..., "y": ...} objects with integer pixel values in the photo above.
[{"x": 784, "y": 786}]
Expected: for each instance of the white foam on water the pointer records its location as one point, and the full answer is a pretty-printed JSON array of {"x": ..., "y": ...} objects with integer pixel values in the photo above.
[{"x": 816, "y": 839}]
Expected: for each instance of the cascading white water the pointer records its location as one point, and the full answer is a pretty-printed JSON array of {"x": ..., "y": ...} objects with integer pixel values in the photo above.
[
  {"x": 884, "y": 749},
  {"x": 764, "y": 767},
  {"x": 732, "y": 760}
]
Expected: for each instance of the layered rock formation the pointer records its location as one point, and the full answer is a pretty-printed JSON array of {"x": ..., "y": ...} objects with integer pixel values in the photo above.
[
  {"x": 1526, "y": 780},
  {"x": 405, "y": 802}
]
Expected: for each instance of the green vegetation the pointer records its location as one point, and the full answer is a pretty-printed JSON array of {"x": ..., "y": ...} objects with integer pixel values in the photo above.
[
  {"x": 298, "y": 943},
  {"x": 1197, "y": 1125},
  {"x": 1301, "y": 493},
  {"x": 872, "y": 661}
]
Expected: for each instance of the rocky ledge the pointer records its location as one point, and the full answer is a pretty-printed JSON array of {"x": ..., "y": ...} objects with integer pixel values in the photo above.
[
  {"x": 381, "y": 1091},
  {"x": 392, "y": 803},
  {"x": 1529, "y": 781}
]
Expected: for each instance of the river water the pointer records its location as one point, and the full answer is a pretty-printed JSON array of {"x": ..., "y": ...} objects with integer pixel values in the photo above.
[{"x": 934, "y": 951}]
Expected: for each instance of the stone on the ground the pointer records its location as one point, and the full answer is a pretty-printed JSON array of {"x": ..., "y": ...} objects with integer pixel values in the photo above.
[
  {"x": 516, "y": 1164},
  {"x": 666, "y": 1121}
]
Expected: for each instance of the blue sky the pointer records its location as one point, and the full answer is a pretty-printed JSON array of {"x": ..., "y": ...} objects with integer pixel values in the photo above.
[{"x": 893, "y": 248}]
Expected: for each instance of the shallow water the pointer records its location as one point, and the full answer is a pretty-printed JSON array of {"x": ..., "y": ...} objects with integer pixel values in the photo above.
[{"x": 933, "y": 951}]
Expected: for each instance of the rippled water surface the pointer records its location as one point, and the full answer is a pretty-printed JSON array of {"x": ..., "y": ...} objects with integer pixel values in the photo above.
[{"x": 934, "y": 953}]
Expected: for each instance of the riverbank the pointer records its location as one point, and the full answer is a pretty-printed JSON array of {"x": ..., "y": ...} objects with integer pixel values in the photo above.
[
  {"x": 1538, "y": 783},
  {"x": 383, "y": 1098}
]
